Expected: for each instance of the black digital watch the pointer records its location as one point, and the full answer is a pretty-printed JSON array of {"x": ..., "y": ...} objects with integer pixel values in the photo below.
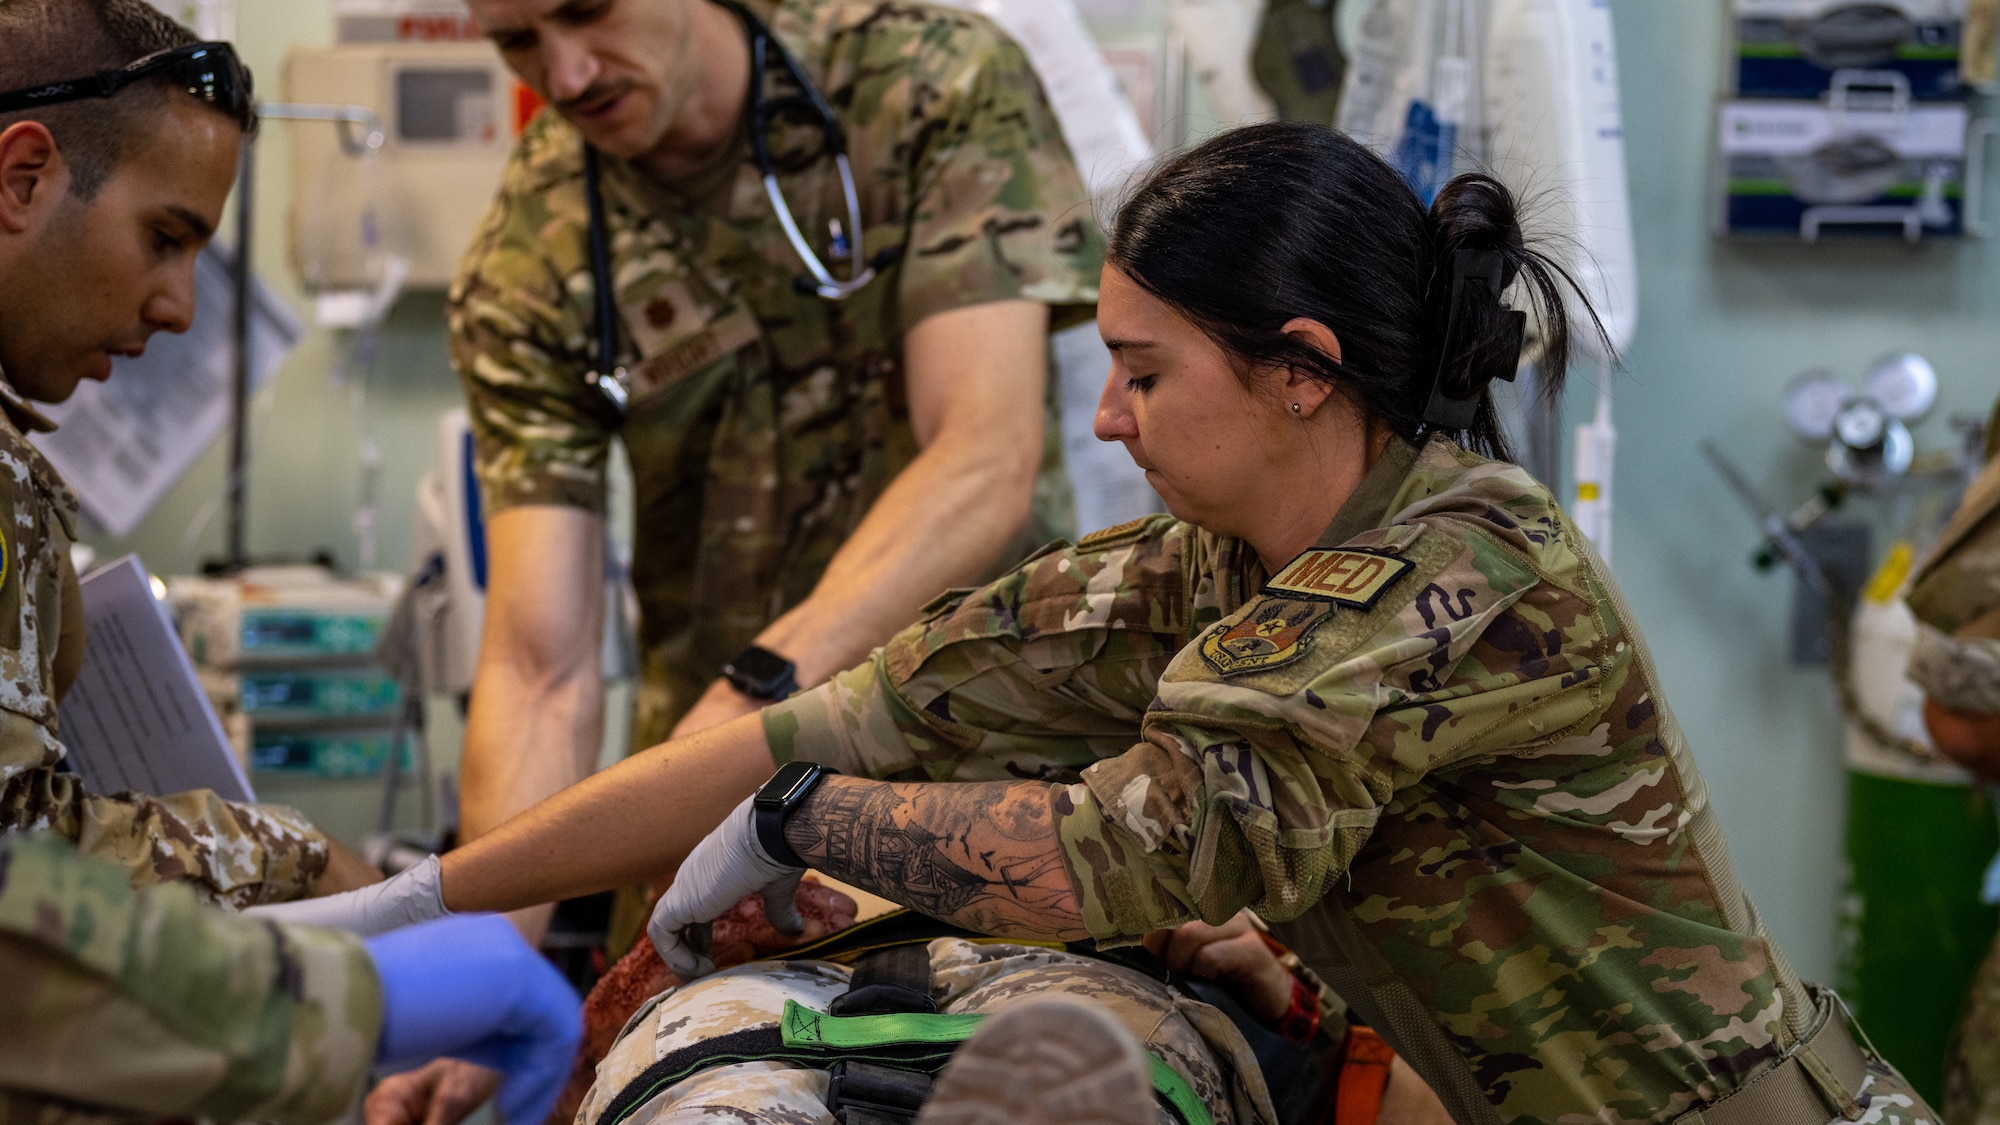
[
  {"x": 790, "y": 786},
  {"x": 762, "y": 674}
]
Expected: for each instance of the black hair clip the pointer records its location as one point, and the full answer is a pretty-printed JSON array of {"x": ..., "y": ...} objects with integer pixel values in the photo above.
[{"x": 1498, "y": 353}]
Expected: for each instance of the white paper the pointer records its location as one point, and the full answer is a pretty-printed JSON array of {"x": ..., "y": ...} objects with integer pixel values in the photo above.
[
  {"x": 136, "y": 718},
  {"x": 125, "y": 441}
]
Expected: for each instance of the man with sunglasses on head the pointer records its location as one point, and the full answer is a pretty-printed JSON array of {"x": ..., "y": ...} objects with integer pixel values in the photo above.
[
  {"x": 109, "y": 187},
  {"x": 828, "y": 421},
  {"x": 128, "y": 994}
]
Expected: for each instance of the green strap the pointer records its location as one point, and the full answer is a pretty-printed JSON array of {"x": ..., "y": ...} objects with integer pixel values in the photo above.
[{"x": 807, "y": 1029}]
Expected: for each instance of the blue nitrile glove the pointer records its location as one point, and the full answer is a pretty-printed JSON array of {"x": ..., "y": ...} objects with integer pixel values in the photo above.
[{"x": 468, "y": 987}]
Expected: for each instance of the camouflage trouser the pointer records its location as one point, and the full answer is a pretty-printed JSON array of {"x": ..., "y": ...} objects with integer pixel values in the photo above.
[
  {"x": 1191, "y": 1037},
  {"x": 1972, "y": 1062},
  {"x": 231, "y": 854}
]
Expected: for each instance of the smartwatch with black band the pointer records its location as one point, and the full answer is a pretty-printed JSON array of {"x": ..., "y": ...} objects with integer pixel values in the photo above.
[
  {"x": 786, "y": 790},
  {"x": 762, "y": 674}
]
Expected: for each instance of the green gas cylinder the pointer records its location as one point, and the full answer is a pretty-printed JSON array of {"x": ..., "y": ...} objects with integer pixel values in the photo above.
[{"x": 1919, "y": 837}]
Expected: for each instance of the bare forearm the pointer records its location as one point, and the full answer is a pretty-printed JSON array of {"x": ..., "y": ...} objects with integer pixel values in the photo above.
[
  {"x": 524, "y": 742},
  {"x": 631, "y": 822},
  {"x": 537, "y": 718},
  {"x": 941, "y": 523},
  {"x": 983, "y": 856},
  {"x": 976, "y": 378}
]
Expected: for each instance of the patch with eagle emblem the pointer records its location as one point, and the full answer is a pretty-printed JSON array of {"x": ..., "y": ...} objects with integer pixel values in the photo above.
[{"x": 1272, "y": 635}]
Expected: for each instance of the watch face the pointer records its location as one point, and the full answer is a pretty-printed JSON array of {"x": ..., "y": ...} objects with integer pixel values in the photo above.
[
  {"x": 785, "y": 785},
  {"x": 760, "y": 666}
]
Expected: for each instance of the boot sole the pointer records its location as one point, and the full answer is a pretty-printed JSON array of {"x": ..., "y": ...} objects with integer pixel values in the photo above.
[{"x": 1052, "y": 1062}]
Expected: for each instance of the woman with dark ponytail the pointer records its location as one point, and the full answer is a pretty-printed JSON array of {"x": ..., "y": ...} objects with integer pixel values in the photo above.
[{"x": 1366, "y": 679}]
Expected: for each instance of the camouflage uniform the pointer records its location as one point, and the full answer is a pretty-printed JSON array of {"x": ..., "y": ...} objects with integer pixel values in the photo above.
[
  {"x": 230, "y": 853},
  {"x": 129, "y": 1004},
  {"x": 1436, "y": 756},
  {"x": 966, "y": 977},
  {"x": 1956, "y": 598},
  {"x": 764, "y": 422}
]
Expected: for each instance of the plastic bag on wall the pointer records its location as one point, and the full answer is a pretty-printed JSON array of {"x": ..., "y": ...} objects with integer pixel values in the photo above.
[
  {"x": 1551, "y": 90},
  {"x": 1412, "y": 88}
]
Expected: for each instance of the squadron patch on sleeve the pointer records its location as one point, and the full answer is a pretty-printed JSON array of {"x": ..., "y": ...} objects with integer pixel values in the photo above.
[
  {"x": 1348, "y": 576},
  {"x": 1270, "y": 636}
]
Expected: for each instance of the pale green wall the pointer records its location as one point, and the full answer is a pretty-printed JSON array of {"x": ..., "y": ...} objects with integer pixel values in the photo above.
[{"x": 1721, "y": 327}]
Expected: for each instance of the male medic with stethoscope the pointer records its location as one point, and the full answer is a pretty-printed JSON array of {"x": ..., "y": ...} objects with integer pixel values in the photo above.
[{"x": 830, "y": 240}]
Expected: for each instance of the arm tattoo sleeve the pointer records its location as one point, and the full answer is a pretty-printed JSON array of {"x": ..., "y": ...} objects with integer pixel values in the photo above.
[{"x": 983, "y": 856}]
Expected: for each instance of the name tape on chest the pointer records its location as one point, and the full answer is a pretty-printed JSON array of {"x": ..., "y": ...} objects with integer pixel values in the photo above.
[
  {"x": 1344, "y": 575},
  {"x": 671, "y": 359}
]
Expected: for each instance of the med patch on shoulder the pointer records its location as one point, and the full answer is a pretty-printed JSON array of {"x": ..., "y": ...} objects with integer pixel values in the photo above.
[{"x": 1349, "y": 576}]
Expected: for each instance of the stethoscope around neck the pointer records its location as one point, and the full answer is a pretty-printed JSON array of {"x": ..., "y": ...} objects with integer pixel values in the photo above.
[{"x": 608, "y": 376}]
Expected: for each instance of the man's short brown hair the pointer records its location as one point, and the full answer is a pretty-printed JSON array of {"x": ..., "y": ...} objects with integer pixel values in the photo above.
[{"x": 57, "y": 40}]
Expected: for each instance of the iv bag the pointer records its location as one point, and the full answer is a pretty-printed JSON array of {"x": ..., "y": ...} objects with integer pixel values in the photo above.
[{"x": 1558, "y": 143}]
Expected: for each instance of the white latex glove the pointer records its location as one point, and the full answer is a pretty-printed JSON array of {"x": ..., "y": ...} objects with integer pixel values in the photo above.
[
  {"x": 728, "y": 864},
  {"x": 416, "y": 895}
]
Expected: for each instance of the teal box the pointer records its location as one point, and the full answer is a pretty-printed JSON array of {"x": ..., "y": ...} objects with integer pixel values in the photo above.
[
  {"x": 319, "y": 693},
  {"x": 294, "y": 633},
  {"x": 323, "y": 753}
]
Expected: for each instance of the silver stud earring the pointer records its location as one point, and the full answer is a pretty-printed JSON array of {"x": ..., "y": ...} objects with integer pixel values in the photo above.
[{"x": 1295, "y": 408}]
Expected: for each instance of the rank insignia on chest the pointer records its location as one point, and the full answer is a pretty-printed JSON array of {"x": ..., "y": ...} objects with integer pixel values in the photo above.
[
  {"x": 1275, "y": 633},
  {"x": 1347, "y": 576}
]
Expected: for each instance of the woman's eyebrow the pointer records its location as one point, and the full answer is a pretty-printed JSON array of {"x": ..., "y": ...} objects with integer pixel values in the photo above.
[{"x": 1129, "y": 345}]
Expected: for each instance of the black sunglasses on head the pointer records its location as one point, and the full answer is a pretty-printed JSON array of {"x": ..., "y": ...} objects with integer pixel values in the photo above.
[{"x": 209, "y": 71}]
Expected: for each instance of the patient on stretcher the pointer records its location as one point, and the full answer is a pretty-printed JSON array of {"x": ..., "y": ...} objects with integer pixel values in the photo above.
[{"x": 640, "y": 1013}]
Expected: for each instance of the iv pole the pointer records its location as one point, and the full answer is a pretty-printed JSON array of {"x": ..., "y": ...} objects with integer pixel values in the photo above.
[{"x": 368, "y": 143}]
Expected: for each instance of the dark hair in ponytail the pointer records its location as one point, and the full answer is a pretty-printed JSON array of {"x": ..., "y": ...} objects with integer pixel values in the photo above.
[{"x": 1265, "y": 223}]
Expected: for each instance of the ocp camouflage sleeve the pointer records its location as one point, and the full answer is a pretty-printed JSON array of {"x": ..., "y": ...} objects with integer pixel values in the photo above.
[
  {"x": 147, "y": 1003},
  {"x": 1000, "y": 211},
  {"x": 1956, "y": 599},
  {"x": 227, "y": 852},
  {"x": 539, "y": 434},
  {"x": 1257, "y": 786},
  {"x": 1037, "y": 675},
  {"x": 1961, "y": 673},
  {"x": 239, "y": 854}
]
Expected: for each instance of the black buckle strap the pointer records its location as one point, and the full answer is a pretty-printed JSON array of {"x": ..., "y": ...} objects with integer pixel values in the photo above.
[
  {"x": 892, "y": 980},
  {"x": 888, "y": 981},
  {"x": 863, "y": 1093}
]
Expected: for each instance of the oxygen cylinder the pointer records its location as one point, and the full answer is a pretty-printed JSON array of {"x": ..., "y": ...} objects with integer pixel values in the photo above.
[{"x": 1919, "y": 835}]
